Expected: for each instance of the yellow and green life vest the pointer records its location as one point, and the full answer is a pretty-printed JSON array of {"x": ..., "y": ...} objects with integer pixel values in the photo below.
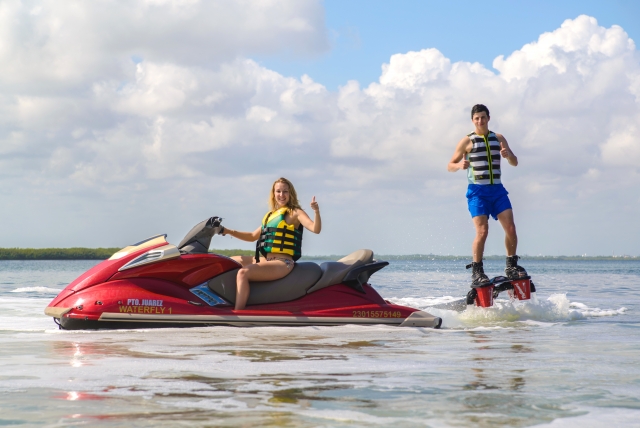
[{"x": 279, "y": 237}]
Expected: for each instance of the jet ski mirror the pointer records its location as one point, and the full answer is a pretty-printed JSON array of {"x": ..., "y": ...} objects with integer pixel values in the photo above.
[{"x": 199, "y": 237}]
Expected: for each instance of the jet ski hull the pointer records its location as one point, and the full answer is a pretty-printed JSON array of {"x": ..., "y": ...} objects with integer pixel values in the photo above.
[{"x": 137, "y": 304}]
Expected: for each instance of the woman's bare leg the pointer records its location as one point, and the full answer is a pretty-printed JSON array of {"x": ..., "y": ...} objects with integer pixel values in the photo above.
[
  {"x": 244, "y": 260},
  {"x": 263, "y": 271}
]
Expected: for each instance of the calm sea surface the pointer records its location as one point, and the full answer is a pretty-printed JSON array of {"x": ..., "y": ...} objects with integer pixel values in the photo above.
[{"x": 568, "y": 358}]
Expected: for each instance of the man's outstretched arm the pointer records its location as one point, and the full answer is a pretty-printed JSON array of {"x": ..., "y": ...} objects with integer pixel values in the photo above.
[{"x": 458, "y": 160}]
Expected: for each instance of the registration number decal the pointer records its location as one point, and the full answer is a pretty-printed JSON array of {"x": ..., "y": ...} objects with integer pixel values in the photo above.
[{"x": 377, "y": 314}]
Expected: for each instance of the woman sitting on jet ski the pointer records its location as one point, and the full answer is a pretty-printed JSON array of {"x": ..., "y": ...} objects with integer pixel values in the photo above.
[{"x": 279, "y": 239}]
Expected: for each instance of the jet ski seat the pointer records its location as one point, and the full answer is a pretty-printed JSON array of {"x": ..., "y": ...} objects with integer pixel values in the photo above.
[
  {"x": 291, "y": 287},
  {"x": 352, "y": 270},
  {"x": 337, "y": 272}
]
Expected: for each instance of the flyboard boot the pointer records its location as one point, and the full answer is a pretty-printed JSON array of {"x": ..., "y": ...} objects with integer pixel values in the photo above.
[
  {"x": 477, "y": 273},
  {"x": 521, "y": 281},
  {"x": 481, "y": 292},
  {"x": 513, "y": 270}
]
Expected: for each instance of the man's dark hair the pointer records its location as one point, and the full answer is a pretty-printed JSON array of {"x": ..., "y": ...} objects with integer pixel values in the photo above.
[{"x": 478, "y": 108}]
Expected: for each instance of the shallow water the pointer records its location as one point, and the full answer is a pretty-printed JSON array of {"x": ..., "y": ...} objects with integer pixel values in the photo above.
[{"x": 568, "y": 357}]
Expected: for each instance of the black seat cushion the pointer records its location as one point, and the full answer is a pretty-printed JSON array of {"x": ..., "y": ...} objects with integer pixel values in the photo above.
[
  {"x": 334, "y": 272},
  {"x": 291, "y": 287}
]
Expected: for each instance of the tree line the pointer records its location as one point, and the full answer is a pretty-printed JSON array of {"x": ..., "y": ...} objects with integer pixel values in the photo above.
[{"x": 80, "y": 253}]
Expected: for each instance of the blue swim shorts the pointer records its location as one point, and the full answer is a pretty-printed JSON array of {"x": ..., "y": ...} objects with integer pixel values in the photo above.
[{"x": 489, "y": 200}]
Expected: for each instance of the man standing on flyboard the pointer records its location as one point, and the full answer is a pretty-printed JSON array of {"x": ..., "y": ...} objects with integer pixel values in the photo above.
[{"x": 479, "y": 153}]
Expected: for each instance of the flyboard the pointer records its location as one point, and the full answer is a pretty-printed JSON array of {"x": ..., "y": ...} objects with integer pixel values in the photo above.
[{"x": 483, "y": 295}]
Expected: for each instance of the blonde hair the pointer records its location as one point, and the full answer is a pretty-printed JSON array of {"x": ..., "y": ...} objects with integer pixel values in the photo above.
[{"x": 292, "y": 204}]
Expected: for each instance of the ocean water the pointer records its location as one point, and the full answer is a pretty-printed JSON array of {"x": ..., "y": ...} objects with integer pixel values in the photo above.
[{"x": 570, "y": 357}]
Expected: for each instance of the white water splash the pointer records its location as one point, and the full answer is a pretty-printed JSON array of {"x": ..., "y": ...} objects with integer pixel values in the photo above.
[
  {"x": 556, "y": 308},
  {"x": 598, "y": 417},
  {"x": 36, "y": 290},
  {"x": 596, "y": 312}
]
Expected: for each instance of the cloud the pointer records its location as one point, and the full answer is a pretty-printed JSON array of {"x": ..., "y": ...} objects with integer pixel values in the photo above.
[
  {"x": 135, "y": 115},
  {"x": 81, "y": 41},
  {"x": 621, "y": 148}
]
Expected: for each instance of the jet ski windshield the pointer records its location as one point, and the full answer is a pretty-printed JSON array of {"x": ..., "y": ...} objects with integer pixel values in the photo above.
[
  {"x": 199, "y": 237},
  {"x": 145, "y": 243}
]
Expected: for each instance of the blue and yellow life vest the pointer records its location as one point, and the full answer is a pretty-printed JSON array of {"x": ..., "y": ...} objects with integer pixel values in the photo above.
[{"x": 279, "y": 237}]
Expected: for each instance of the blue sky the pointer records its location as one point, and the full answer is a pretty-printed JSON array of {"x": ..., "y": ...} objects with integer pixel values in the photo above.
[
  {"x": 365, "y": 33},
  {"x": 193, "y": 108}
]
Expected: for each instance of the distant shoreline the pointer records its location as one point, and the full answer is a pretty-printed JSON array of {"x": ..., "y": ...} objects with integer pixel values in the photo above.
[
  {"x": 81, "y": 253},
  {"x": 56, "y": 253},
  {"x": 502, "y": 257}
]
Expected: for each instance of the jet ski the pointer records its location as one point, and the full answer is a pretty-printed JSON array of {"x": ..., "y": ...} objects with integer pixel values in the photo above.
[{"x": 153, "y": 283}]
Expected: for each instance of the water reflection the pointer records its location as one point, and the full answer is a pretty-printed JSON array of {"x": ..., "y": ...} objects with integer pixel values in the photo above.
[
  {"x": 520, "y": 349},
  {"x": 78, "y": 396},
  {"x": 490, "y": 370},
  {"x": 87, "y": 353}
]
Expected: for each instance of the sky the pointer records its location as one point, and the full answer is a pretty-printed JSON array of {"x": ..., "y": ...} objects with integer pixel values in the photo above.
[{"x": 124, "y": 119}]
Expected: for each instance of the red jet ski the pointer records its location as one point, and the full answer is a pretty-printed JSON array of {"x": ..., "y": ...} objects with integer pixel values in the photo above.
[{"x": 156, "y": 284}]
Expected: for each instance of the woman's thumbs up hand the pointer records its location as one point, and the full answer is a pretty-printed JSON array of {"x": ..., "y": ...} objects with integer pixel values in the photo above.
[{"x": 314, "y": 204}]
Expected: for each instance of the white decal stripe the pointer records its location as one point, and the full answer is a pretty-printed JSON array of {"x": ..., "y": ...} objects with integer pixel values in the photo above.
[{"x": 245, "y": 319}]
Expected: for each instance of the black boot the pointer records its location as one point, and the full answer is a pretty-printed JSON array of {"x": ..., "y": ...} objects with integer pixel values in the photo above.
[
  {"x": 477, "y": 274},
  {"x": 513, "y": 271}
]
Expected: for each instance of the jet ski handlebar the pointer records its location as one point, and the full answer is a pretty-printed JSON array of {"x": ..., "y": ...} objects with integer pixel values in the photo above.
[{"x": 198, "y": 239}]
